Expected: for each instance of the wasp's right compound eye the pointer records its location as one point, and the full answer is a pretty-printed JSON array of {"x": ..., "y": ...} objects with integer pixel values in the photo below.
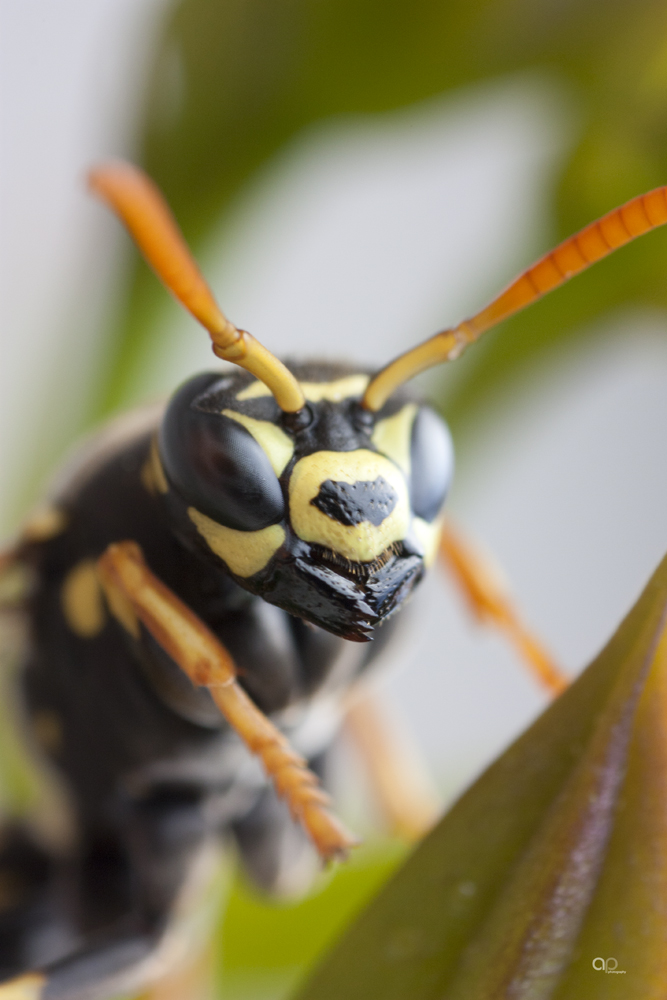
[
  {"x": 432, "y": 460},
  {"x": 217, "y": 466}
]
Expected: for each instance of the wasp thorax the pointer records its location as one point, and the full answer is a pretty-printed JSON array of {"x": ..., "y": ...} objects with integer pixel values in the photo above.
[{"x": 332, "y": 519}]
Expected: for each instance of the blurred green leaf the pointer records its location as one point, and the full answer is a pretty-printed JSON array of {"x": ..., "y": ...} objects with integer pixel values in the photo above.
[
  {"x": 264, "y": 945},
  {"x": 233, "y": 81},
  {"x": 556, "y": 856}
]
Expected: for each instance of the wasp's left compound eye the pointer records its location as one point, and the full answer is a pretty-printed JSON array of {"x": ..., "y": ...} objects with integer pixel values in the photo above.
[{"x": 217, "y": 466}]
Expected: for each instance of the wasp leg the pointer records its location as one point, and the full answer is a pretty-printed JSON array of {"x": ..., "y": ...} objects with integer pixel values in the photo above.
[
  {"x": 398, "y": 775},
  {"x": 490, "y": 602},
  {"x": 277, "y": 855},
  {"x": 135, "y": 595}
]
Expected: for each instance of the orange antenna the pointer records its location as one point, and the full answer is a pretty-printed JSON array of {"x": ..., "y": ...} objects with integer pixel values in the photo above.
[
  {"x": 140, "y": 205},
  {"x": 569, "y": 258}
]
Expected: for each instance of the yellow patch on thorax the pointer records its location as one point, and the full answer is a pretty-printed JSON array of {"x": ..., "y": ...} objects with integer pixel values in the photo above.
[
  {"x": 358, "y": 542},
  {"x": 43, "y": 524},
  {"x": 393, "y": 436},
  {"x": 152, "y": 473},
  {"x": 81, "y": 600},
  {"x": 277, "y": 446},
  {"x": 245, "y": 552},
  {"x": 334, "y": 392}
]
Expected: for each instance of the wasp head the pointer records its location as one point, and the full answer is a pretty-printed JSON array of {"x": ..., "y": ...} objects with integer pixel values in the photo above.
[{"x": 331, "y": 514}]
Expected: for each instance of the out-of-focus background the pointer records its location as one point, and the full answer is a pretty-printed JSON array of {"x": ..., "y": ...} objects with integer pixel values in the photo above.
[{"x": 353, "y": 177}]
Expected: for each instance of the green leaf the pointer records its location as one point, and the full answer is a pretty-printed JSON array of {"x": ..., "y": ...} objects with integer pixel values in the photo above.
[
  {"x": 265, "y": 946},
  {"x": 556, "y": 857}
]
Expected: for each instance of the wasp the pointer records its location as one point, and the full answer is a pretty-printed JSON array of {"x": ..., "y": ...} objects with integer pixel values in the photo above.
[{"x": 202, "y": 583}]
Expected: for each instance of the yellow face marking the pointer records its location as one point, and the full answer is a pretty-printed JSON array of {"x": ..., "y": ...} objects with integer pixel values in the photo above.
[
  {"x": 392, "y": 436},
  {"x": 28, "y": 987},
  {"x": 245, "y": 552},
  {"x": 315, "y": 392},
  {"x": 45, "y": 523},
  {"x": 48, "y": 729},
  {"x": 358, "y": 542},
  {"x": 81, "y": 599},
  {"x": 278, "y": 447},
  {"x": 428, "y": 536}
]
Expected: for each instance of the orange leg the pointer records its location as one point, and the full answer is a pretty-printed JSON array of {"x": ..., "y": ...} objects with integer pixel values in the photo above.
[
  {"x": 398, "y": 776},
  {"x": 491, "y": 604},
  {"x": 135, "y": 595}
]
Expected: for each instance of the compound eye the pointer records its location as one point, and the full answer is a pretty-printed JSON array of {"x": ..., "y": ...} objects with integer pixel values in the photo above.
[
  {"x": 218, "y": 467},
  {"x": 432, "y": 464}
]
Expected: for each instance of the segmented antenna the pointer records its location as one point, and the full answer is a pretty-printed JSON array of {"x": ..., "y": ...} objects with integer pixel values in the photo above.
[
  {"x": 139, "y": 203},
  {"x": 575, "y": 254}
]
